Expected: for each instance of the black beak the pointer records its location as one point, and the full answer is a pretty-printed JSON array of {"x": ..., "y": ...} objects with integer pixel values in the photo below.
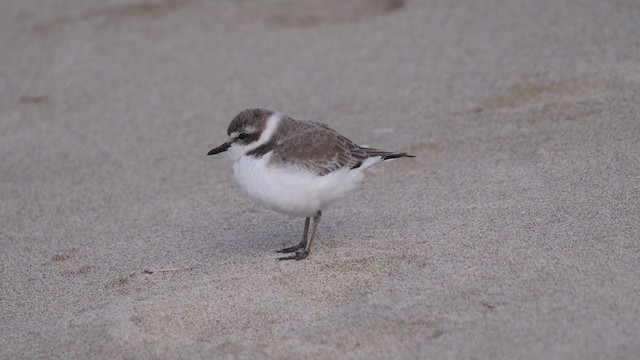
[{"x": 219, "y": 149}]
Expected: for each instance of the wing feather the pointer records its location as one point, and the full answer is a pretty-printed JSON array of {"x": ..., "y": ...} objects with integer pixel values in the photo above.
[{"x": 320, "y": 150}]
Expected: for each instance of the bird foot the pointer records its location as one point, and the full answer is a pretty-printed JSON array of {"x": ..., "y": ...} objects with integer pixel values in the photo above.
[
  {"x": 301, "y": 245},
  {"x": 299, "y": 255}
]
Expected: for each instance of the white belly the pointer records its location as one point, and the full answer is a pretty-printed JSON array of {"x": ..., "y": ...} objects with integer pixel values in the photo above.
[{"x": 292, "y": 192}]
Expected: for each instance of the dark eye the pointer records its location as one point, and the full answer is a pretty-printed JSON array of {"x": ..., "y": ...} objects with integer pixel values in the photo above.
[{"x": 243, "y": 136}]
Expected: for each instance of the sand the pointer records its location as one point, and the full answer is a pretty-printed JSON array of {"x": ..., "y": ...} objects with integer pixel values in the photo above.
[{"x": 514, "y": 233}]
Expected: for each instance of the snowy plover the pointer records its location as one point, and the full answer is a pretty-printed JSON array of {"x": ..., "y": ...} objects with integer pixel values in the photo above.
[{"x": 295, "y": 167}]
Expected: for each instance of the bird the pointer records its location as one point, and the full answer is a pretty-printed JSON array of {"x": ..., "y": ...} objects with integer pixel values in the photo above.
[{"x": 296, "y": 167}]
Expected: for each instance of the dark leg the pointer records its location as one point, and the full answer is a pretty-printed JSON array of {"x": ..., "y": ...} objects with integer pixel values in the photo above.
[
  {"x": 302, "y": 243},
  {"x": 299, "y": 255}
]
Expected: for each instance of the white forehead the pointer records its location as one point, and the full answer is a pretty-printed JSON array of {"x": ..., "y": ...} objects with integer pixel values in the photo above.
[
  {"x": 270, "y": 127},
  {"x": 247, "y": 129}
]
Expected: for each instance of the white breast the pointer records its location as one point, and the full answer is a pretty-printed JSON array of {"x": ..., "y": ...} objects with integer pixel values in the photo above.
[{"x": 291, "y": 191}]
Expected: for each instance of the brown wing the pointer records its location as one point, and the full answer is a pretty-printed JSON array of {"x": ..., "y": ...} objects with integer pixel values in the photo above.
[{"x": 320, "y": 151}]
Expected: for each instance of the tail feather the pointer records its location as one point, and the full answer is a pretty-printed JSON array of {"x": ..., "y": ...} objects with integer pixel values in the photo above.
[
  {"x": 386, "y": 155},
  {"x": 396, "y": 155},
  {"x": 371, "y": 153}
]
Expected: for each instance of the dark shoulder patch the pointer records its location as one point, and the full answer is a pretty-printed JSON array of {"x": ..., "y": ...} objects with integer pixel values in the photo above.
[{"x": 261, "y": 150}]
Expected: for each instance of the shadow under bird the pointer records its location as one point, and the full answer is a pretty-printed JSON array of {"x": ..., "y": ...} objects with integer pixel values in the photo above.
[{"x": 296, "y": 167}]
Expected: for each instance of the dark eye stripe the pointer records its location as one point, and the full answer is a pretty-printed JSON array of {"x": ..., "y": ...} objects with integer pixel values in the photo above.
[{"x": 251, "y": 138}]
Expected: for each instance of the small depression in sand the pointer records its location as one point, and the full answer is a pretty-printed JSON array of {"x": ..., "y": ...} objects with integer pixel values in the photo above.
[{"x": 312, "y": 12}]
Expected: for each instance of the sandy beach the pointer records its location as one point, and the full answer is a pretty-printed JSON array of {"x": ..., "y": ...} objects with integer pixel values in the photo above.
[{"x": 513, "y": 234}]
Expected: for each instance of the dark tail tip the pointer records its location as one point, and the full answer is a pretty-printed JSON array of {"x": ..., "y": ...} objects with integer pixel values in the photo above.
[{"x": 397, "y": 155}]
